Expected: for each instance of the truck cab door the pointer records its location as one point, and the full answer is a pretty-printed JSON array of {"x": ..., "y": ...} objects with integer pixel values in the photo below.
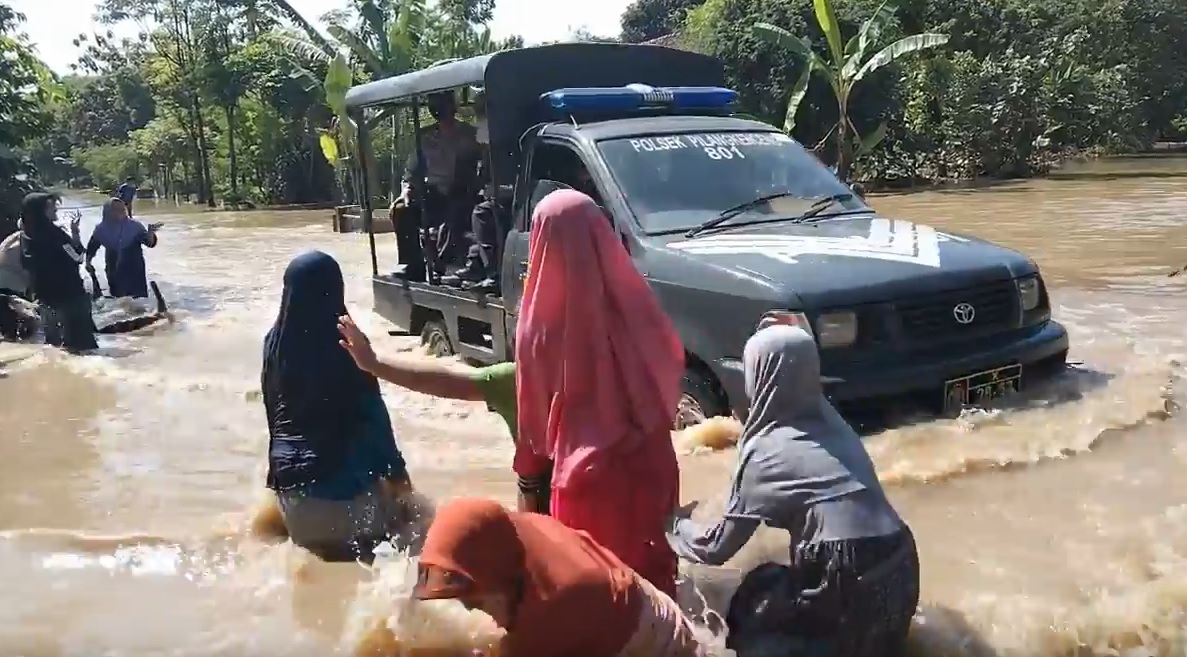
[
  {"x": 517, "y": 251},
  {"x": 514, "y": 266},
  {"x": 552, "y": 164}
]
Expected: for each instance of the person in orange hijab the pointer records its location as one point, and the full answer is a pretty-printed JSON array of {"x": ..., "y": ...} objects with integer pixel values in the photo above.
[
  {"x": 598, "y": 371},
  {"x": 554, "y": 590}
]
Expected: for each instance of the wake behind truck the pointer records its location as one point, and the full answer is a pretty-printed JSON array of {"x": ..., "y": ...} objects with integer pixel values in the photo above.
[{"x": 732, "y": 222}]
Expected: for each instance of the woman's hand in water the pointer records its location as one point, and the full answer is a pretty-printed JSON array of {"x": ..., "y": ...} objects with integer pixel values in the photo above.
[
  {"x": 680, "y": 513},
  {"x": 685, "y": 511},
  {"x": 356, "y": 342}
]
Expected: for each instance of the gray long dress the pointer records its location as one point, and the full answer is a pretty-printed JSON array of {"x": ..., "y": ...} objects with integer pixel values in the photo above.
[{"x": 853, "y": 584}]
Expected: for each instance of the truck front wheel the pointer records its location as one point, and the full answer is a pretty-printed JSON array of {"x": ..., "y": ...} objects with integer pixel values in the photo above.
[
  {"x": 435, "y": 337},
  {"x": 699, "y": 400}
]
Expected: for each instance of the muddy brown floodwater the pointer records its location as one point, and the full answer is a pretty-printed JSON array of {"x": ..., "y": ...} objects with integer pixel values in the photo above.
[{"x": 1056, "y": 525}]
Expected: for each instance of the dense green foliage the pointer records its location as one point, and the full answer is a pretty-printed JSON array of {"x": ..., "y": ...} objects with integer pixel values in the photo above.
[
  {"x": 26, "y": 90},
  {"x": 645, "y": 20},
  {"x": 240, "y": 101},
  {"x": 845, "y": 65},
  {"x": 229, "y": 100},
  {"x": 1020, "y": 84}
]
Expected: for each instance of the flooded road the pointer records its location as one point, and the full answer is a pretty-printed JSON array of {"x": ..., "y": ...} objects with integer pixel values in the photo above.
[{"x": 1056, "y": 525}]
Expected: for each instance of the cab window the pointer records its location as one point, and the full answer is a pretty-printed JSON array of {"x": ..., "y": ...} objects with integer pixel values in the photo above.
[{"x": 559, "y": 164}]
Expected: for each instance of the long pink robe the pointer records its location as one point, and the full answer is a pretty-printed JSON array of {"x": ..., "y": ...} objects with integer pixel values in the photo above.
[{"x": 597, "y": 384}]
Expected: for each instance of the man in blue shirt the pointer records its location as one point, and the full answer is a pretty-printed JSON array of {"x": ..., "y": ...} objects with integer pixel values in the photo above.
[{"x": 127, "y": 193}]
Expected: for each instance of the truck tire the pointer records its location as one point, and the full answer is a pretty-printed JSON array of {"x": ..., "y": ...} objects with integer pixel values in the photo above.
[
  {"x": 699, "y": 400},
  {"x": 435, "y": 337}
]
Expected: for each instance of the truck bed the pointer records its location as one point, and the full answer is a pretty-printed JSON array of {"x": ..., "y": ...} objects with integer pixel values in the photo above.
[{"x": 474, "y": 321}]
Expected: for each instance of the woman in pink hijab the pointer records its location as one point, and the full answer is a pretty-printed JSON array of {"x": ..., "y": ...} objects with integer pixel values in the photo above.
[{"x": 598, "y": 370}]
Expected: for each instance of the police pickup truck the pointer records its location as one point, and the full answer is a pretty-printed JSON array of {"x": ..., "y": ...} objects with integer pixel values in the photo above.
[{"x": 735, "y": 225}]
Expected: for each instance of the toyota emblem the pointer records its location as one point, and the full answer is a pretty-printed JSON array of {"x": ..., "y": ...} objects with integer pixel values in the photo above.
[{"x": 964, "y": 313}]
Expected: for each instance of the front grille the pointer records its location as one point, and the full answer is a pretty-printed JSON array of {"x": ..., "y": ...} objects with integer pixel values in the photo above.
[{"x": 933, "y": 316}]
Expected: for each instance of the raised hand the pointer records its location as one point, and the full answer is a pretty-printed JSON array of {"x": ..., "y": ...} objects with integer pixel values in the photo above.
[{"x": 357, "y": 344}]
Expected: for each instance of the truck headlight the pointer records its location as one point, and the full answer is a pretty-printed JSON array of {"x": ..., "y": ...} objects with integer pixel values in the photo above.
[
  {"x": 1030, "y": 293},
  {"x": 837, "y": 329}
]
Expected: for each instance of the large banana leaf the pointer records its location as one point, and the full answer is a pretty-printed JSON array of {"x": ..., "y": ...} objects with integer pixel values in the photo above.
[
  {"x": 295, "y": 17},
  {"x": 339, "y": 77},
  {"x": 309, "y": 83},
  {"x": 338, "y": 81},
  {"x": 404, "y": 35},
  {"x": 777, "y": 36},
  {"x": 301, "y": 49},
  {"x": 827, "y": 18},
  {"x": 870, "y": 142},
  {"x": 359, "y": 48},
  {"x": 871, "y": 30},
  {"x": 798, "y": 92},
  {"x": 900, "y": 48},
  {"x": 376, "y": 22}
]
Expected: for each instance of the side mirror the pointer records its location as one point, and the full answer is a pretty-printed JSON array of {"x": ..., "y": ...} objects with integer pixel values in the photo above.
[{"x": 858, "y": 189}]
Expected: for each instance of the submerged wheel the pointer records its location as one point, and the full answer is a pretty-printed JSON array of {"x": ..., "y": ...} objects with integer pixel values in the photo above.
[
  {"x": 698, "y": 400},
  {"x": 435, "y": 337}
]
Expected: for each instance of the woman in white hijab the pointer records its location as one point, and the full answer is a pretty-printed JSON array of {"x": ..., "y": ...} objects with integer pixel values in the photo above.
[{"x": 853, "y": 584}]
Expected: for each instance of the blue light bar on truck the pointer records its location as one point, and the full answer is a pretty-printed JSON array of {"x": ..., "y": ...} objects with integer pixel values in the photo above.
[{"x": 639, "y": 97}]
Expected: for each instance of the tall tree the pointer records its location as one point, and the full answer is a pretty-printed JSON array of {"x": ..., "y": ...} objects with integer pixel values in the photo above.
[
  {"x": 26, "y": 86},
  {"x": 111, "y": 96},
  {"x": 645, "y": 20},
  {"x": 226, "y": 74},
  {"x": 177, "y": 30}
]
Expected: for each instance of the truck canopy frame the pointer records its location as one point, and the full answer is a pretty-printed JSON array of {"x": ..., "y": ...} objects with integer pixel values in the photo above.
[{"x": 514, "y": 81}]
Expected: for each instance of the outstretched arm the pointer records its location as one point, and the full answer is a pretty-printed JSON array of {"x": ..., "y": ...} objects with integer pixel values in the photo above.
[
  {"x": 718, "y": 543},
  {"x": 428, "y": 377},
  {"x": 436, "y": 378},
  {"x": 712, "y": 545},
  {"x": 92, "y": 247}
]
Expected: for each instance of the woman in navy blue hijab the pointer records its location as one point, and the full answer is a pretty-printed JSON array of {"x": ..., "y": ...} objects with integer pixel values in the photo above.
[{"x": 341, "y": 482}]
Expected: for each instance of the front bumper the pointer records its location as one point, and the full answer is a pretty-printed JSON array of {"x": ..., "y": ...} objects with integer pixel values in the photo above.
[{"x": 1043, "y": 348}]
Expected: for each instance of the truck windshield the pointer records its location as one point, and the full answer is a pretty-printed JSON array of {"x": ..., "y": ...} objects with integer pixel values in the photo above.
[{"x": 676, "y": 182}]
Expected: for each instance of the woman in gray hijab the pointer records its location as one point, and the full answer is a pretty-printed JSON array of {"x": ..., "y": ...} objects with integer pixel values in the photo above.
[{"x": 853, "y": 583}]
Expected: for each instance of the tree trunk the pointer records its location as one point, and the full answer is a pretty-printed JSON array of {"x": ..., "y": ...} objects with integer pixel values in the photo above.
[
  {"x": 203, "y": 153},
  {"x": 234, "y": 158}
]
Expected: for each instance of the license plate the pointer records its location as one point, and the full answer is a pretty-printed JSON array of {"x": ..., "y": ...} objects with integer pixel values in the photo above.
[{"x": 982, "y": 387}]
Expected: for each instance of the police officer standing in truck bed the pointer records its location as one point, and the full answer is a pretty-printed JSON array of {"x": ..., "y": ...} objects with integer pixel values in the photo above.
[{"x": 446, "y": 147}]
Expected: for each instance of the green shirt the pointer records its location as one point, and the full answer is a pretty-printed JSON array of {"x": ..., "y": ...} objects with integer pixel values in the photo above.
[{"x": 497, "y": 383}]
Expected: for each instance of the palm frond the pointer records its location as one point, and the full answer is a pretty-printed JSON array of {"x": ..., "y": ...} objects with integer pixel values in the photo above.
[
  {"x": 300, "y": 48},
  {"x": 289, "y": 13}
]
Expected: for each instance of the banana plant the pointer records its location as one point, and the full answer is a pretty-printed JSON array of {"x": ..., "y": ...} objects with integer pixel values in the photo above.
[
  {"x": 385, "y": 42},
  {"x": 844, "y": 65}
]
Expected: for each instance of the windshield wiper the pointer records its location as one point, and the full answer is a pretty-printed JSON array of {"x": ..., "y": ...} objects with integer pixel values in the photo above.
[
  {"x": 821, "y": 204},
  {"x": 730, "y": 213}
]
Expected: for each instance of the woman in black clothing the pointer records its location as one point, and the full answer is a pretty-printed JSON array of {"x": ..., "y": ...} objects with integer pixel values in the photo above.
[{"x": 51, "y": 257}]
